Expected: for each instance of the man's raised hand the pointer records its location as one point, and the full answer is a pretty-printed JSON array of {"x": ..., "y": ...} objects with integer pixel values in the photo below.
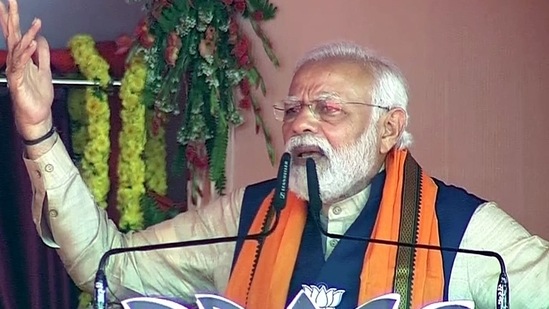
[{"x": 29, "y": 81}]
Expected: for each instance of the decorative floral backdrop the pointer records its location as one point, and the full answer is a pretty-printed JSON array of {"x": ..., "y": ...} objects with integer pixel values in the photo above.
[
  {"x": 186, "y": 56},
  {"x": 196, "y": 51}
]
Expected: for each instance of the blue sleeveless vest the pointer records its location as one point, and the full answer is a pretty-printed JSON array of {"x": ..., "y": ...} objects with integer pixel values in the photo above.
[{"x": 454, "y": 208}]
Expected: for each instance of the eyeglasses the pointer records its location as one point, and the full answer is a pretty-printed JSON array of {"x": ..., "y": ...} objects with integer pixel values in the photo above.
[{"x": 326, "y": 109}]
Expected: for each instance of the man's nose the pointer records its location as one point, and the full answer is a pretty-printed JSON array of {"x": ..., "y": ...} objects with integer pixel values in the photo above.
[{"x": 305, "y": 120}]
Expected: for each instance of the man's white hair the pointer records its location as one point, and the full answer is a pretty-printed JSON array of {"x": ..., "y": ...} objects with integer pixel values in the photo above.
[{"x": 389, "y": 88}]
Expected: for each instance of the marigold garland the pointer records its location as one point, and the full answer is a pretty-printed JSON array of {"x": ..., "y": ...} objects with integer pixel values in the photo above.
[
  {"x": 132, "y": 138},
  {"x": 96, "y": 151},
  {"x": 156, "y": 178},
  {"x": 76, "y": 104},
  {"x": 199, "y": 45},
  {"x": 156, "y": 206}
]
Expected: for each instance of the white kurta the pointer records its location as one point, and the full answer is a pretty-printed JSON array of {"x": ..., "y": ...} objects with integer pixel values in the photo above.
[{"x": 67, "y": 218}]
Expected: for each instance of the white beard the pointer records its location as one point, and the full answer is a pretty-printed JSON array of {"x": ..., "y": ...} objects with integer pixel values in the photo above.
[{"x": 341, "y": 170}]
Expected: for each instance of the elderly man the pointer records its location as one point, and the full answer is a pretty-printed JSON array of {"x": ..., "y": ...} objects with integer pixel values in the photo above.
[{"x": 346, "y": 109}]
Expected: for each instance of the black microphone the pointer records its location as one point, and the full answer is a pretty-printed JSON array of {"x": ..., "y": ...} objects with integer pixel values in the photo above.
[
  {"x": 315, "y": 206},
  {"x": 281, "y": 190},
  {"x": 278, "y": 203}
]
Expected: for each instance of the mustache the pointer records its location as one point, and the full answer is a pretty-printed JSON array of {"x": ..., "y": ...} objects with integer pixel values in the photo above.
[{"x": 301, "y": 141}]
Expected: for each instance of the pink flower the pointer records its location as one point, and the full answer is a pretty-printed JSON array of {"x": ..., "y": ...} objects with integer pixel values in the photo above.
[
  {"x": 241, "y": 47},
  {"x": 143, "y": 35},
  {"x": 244, "y": 61},
  {"x": 190, "y": 153},
  {"x": 158, "y": 6},
  {"x": 240, "y": 6},
  {"x": 123, "y": 44},
  {"x": 172, "y": 50},
  {"x": 142, "y": 27},
  {"x": 245, "y": 102},
  {"x": 244, "y": 87},
  {"x": 257, "y": 15},
  {"x": 157, "y": 122},
  {"x": 233, "y": 26},
  {"x": 170, "y": 55},
  {"x": 174, "y": 40},
  {"x": 201, "y": 163},
  {"x": 196, "y": 155},
  {"x": 146, "y": 40}
]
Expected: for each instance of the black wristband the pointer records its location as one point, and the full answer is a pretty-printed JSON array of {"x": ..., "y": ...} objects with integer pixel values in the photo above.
[{"x": 40, "y": 139}]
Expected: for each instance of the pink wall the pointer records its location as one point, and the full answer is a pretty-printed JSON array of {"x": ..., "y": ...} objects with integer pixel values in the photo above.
[{"x": 476, "y": 69}]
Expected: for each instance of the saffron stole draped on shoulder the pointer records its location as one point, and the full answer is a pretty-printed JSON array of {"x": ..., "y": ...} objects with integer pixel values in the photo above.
[{"x": 406, "y": 214}]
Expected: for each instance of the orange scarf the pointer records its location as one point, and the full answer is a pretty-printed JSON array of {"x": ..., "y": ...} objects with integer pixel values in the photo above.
[{"x": 274, "y": 270}]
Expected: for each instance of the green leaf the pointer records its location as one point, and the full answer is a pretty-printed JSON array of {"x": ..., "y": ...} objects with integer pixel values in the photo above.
[
  {"x": 264, "y": 6},
  {"x": 266, "y": 43},
  {"x": 153, "y": 213},
  {"x": 181, "y": 6},
  {"x": 271, "y": 152},
  {"x": 215, "y": 110},
  {"x": 253, "y": 77},
  {"x": 218, "y": 157},
  {"x": 164, "y": 23},
  {"x": 257, "y": 80},
  {"x": 210, "y": 107}
]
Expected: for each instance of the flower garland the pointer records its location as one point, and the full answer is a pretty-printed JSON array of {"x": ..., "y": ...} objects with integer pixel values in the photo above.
[
  {"x": 96, "y": 151},
  {"x": 156, "y": 178},
  {"x": 196, "y": 51},
  {"x": 76, "y": 105},
  {"x": 156, "y": 206},
  {"x": 131, "y": 166}
]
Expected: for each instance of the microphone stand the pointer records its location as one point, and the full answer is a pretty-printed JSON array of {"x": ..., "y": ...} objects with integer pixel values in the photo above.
[
  {"x": 278, "y": 203},
  {"x": 101, "y": 279},
  {"x": 502, "y": 293}
]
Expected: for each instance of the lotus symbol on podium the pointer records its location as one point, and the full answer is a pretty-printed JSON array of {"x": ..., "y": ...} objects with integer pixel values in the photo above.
[{"x": 322, "y": 297}]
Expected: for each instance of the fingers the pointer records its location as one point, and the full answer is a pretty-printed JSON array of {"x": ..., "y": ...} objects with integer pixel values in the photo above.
[
  {"x": 27, "y": 39},
  {"x": 20, "y": 49},
  {"x": 43, "y": 55},
  {"x": 13, "y": 14},
  {"x": 22, "y": 56},
  {"x": 23, "y": 50},
  {"x": 9, "y": 21},
  {"x": 14, "y": 30},
  {"x": 4, "y": 19}
]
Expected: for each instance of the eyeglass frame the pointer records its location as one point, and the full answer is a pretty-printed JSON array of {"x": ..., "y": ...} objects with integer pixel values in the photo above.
[{"x": 312, "y": 106}]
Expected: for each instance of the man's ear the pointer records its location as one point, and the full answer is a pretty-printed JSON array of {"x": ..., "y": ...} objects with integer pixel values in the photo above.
[{"x": 391, "y": 128}]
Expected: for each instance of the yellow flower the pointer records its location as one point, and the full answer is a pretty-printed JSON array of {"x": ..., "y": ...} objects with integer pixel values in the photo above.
[
  {"x": 102, "y": 143},
  {"x": 76, "y": 101},
  {"x": 155, "y": 159},
  {"x": 100, "y": 186},
  {"x": 91, "y": 155},
  {"x": 135, "y": 146},
  {"x": 79, "y": 140},
  {"x": 131, "y": 167},
  {"x": 95, "y": 130},
  {"x": 93, "y": 141},
  {"x": 157, "y": 185},
  {"x": 101, "y": 169},
  {"x": 131, "y": 101},
  {"x": 95, "y": 106}
]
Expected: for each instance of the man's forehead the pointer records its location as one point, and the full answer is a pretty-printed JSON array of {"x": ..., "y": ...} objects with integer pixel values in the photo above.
[{"x": 340, "y": 78}]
